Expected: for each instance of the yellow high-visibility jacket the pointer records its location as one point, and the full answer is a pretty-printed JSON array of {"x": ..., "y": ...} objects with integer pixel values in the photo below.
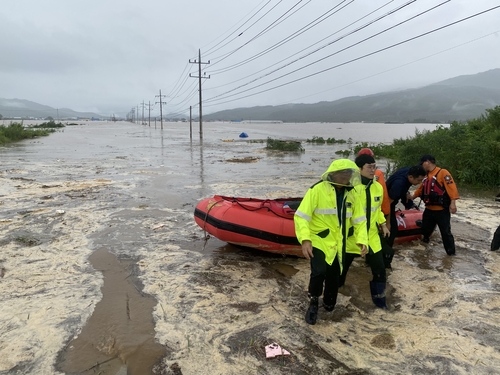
[
  {"x": 376, "y": 215},
  {"x": 316, "y": 219}
]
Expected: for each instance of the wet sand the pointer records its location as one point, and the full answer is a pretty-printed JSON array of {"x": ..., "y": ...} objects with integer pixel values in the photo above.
[{"x": 91, "y": 246}]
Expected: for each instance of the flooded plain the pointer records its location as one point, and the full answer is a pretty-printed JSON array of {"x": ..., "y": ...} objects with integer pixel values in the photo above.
[{"x": 104, "y": 271}]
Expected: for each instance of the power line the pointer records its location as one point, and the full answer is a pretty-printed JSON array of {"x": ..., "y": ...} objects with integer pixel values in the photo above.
[
  {"x": 308, "y": 47},
  {"x": 178, "y": 80},
  {"x": 328, "y": 44},
  {"x": 366, "y": 55},
  {"x": 394, "y": 68},
  {"x": 210, "y": 50},
  {"x": 222, "y": 57},
  {"x": 285, "y": 40},
  {"x": 268, "y": 28}
]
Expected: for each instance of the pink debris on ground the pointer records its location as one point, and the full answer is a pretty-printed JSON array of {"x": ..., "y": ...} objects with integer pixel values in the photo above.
[{"x": 273, "y": 350}]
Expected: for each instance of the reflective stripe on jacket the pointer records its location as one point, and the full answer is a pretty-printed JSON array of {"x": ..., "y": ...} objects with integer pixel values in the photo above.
[{"x": 376, "y": 215}]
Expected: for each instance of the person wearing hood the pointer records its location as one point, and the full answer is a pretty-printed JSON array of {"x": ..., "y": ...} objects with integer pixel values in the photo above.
[
  {"x": 370, "y": 194},
  {"x": 322, "y": 221}
]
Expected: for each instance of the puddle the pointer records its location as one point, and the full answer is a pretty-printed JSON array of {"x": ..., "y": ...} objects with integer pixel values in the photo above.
[
  {"x": 284, "y": 269},
  {"x": 119, "y": 337}
]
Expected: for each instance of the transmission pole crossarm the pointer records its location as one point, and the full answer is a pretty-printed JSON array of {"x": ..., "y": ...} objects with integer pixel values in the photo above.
[{"x": 199, "y": 62}]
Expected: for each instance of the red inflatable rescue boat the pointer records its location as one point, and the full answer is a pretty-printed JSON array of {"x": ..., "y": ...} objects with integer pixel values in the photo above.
[{"x": 267, "y": 224}]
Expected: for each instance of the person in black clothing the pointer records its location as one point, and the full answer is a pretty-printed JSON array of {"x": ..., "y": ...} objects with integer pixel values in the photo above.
[
  {"x": 495, "y": 242},
  {"x": 397, "y": 188}
]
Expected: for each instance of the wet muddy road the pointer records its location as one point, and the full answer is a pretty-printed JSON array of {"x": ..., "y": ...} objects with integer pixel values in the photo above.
[{"x": 104, "y": 270}]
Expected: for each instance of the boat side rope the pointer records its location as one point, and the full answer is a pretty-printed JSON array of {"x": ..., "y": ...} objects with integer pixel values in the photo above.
[
  {"x": 205, "y": 235},
  {"x": 269, "y": 209}
]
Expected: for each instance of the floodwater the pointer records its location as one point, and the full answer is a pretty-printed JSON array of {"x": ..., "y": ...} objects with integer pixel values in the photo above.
[{"x": 103, "y": 270}]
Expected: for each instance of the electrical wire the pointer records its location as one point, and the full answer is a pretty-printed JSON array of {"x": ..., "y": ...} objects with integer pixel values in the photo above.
[
  {"x": 394, "y": 68},
  {"x": 178, "y": 80},
  {"x": 241, "y": 33},
  {"x": 328, "y": 44},
  {"x": 366, "y": 55},
  {"x": 210, "y": 50},
  {"x": 266, "y": 29},
  {"x": 302, "y": 30},
  {"x": 304, "y": 49}
]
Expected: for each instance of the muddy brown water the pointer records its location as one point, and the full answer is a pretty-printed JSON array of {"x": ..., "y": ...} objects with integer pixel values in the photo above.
[
  {"x": 120, "y": 332},
  {"x": 104, "y": 270}
]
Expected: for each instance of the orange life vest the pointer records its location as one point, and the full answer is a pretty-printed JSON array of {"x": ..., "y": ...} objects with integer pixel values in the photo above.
[{"x": 433, "y": 193}]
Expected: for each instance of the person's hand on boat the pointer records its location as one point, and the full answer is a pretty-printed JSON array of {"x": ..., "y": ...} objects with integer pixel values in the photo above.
[
  {"x": 386, "y": 231},
  {"x": 307, "y": 249},
  {"x": 364, "y": 250}
]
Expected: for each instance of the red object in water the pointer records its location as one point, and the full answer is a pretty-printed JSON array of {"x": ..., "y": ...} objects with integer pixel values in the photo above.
[
  {"x": 264, "y": 224},
  {"x": 267, "y": 224},
  {"x": 409, "y": 225}
]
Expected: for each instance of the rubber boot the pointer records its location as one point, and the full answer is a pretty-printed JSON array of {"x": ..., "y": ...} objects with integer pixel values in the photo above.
[
  {"x": 495, "y": 242},
  {"x": 328, "y": 307},
  {"x": 312, "y": 311},
  {"x": 377, "y": 290}
]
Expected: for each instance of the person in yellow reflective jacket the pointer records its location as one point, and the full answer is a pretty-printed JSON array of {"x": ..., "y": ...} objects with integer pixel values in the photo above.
[
  {"x": 322, "y": 222},
  {"x": 370, "y": 194}
]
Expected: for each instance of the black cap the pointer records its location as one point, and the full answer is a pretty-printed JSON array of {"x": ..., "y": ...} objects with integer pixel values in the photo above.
[
  {"x": 363, "y": 159},
  {"x": 427, "y": 157}
]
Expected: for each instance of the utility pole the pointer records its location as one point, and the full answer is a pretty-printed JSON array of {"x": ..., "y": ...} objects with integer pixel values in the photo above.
[
  {"x": 142, "y": 122},
  {"x": 190, "y": 123},
  {"x": 161, "y": 102},
  {"x": 132, "y": 116},
  {"x": 199, "y": 84},
  {"x": 149, "y": 113}
]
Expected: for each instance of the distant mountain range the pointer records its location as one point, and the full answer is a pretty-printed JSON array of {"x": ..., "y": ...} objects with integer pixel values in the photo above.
[
  {"x": 460, "y": 98},
  {"x": 20, "y": 108}
]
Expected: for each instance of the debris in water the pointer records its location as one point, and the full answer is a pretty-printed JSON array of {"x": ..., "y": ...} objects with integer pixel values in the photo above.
[{"x": 273, "y": 350}]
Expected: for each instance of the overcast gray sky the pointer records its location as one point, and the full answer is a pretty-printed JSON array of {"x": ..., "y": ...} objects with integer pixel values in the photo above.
[{"x": 108, "y": 56}]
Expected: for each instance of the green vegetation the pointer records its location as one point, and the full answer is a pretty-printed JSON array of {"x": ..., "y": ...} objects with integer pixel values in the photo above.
[
  {"x": 470, "y": 150},
  {"x": 275, "y": 144},
  {"x": 17, "y": 132},
  {"x": 322, "y": 141},
  {"x": 317, "y": 140},
  {"x": 344, "y": 153},
  {"x": 49, "y": 125}
]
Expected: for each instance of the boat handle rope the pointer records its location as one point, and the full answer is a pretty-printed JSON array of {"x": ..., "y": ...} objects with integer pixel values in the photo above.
[
  {"x": 260, "y": 208},
  {"x": 205, "y": 236}
]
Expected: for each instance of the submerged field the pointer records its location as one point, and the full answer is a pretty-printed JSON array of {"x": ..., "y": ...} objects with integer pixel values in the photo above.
[{"x": 128, "y": 198}]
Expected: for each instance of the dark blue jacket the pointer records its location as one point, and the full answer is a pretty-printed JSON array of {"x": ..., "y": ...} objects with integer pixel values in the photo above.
[{"x": 397, "y": 187}]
